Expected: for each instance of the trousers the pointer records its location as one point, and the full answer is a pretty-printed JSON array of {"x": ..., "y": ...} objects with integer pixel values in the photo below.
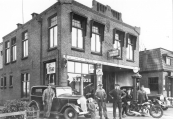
[
  {"x": 47, "y": 108},
  {"x": 119, "y": 105},
  {"x": 102, "y": 106}
]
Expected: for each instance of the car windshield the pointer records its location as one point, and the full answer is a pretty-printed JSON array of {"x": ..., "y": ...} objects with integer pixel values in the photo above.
[{"x": 63, "y": 90}]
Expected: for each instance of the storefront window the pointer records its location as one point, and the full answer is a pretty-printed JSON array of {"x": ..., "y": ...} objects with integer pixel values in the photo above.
[{"x": 81, "y": 78}]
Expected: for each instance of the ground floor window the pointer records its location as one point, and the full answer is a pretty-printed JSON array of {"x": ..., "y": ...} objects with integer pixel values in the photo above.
[
  {"x": 153, "y": 84},
  {"x": 25, "y": 85},
  {"x": 81, "y": 78},
  {"x": 50, "y": 73}
]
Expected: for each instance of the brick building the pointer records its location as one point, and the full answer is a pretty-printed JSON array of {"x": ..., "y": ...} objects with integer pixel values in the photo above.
[
  {"x": 156, "y": 68},
  {"x": 69, "y": 44}
]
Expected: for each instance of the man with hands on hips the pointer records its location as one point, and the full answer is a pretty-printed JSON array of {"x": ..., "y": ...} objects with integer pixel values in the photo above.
[{"x": 117, "y": 95}]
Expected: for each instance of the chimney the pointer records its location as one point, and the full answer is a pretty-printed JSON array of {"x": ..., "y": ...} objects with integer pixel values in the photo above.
[
  {"x": 34, "y": 14},
  {"x": 19, "y": 25}
]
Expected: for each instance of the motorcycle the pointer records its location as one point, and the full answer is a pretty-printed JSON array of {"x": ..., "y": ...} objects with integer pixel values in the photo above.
[{"x": 146, "y": 108}]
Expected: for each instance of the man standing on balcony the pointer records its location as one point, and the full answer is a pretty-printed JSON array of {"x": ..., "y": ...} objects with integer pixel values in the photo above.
[
  {"x": 47, "y": 98},
  {"x": 101, "y": 97}
]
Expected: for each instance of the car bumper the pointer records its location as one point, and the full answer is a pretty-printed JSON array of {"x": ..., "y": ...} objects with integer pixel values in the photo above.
[{"x": 82, "y": 113}]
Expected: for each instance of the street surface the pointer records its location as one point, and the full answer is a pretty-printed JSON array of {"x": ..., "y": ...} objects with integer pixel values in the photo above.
[{"x": 168, "y": 114}]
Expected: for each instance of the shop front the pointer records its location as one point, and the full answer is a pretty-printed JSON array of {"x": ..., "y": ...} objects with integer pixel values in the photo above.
[{"x": 81, "y": 78}]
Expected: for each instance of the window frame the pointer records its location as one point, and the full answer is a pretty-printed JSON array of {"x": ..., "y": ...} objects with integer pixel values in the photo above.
[
  {"x": 7, "y": 49},
  {"x": 25, "y": 94},
  {"x": 13, "y": 44},
  {"x": 120, "y": 40},
  {"x": 133, "y": 39},
  {"x": 101, "y": 29},
  {"x": 49, "y": 34},
  {"x": 25, "y": 41},
  {"x": 11, "y": 81},
  {"x": 2, "y": 82},
  {"x": 149, "y": 83},
  {"x": 83, "y": 23},
  {"x": 167, "y": 62}
]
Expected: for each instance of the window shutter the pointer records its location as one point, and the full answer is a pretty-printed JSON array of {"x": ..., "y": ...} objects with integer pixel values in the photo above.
[
  {"x": 122, "y": 35},
  {"x": 71, "y": 20},
  {"x": 134, "y": 42},
  {"x": 114, "y": 31},
  {"x": 91, "y": 25},
  {"x": 102, "y": 29},
  {"x": 84, "y": 26},
  {"x": 127, "y": 36}
]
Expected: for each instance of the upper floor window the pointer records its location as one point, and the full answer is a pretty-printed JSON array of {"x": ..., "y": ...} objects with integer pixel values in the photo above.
[
  {"x": 130, "y": 46},
  {"x": 25, "y": 45},
  {"x": 97, "y": 36},
  {"x": 53, "y": 32},
  {"x": 3, "y": 82},
  {"x": 118, "y": 40},
  {"x": 78, "y": 29},
  {"x": 168, "y": 60},
  {"x": 7, "y": 52},
  {"x": 25, "y": 85},
  {"x": 13, "y": 49}
]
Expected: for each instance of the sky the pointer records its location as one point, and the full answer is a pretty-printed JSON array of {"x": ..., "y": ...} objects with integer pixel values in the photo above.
[{"x": 154, "y": 17}]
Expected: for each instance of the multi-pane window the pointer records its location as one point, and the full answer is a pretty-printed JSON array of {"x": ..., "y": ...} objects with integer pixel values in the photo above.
[
  {"x": 11, "y": 81},
  {"x": 77, "y": 38},
  {"x": 78, "y": 29},
  {"x": 130, "y": 46},
  {"x": 5, "y": 82},
  {"x": 7, "y": 52},
  {"x": 96, "y": 40},
  {"x": 25, "y": 45},
  {"x": 2, "y": 82},
  {"x": 168, "y": 60},
  {"x": 118, "y": 41},
  {"x": 153, "y": 84},
  {"x": 25, "y": 85},
  {"x": 97, "y": 36},
  {"x": 53, "y": 32},
  {"x": 13, "y": 49}
]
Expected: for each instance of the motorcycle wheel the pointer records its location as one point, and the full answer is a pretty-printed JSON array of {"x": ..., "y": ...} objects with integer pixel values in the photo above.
[{"x": 156, "y": 111}]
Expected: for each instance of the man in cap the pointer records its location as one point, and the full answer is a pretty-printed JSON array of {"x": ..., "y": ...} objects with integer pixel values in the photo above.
[
  {"x": 101, "y": 97},
  {"x": 47, "y": 98},
  {"x": 117, "y": 95}
]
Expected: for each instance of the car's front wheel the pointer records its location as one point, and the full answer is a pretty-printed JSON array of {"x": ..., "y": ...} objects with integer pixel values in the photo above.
[{"x": 70, "y": 113}]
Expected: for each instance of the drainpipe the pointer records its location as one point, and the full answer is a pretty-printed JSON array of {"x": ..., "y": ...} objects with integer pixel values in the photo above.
[{"x": 40, "y": 22}]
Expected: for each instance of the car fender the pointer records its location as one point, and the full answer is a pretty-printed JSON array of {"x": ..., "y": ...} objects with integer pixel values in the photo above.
[
  {"x": 75, "y": 107},
  {"x": 34, "y": 102}
]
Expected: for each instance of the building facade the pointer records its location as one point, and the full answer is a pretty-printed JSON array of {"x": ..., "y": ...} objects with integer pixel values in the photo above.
[
  {"x": 156, "y": 68},
  {"x": 69, "y": 44}
]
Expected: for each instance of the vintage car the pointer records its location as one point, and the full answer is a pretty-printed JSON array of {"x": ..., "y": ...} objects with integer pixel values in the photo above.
[
  {"x": 157, "y": 99},
  {"x": 71, "y": 106}
]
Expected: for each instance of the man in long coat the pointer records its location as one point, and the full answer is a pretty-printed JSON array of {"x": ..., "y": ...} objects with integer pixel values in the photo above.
[{"x": 47, "y": 98}]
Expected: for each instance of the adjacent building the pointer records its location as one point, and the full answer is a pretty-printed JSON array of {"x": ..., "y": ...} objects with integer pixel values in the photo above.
[
  {"x": 69, "y": 44},
  {"x": 156, "y": 68}
]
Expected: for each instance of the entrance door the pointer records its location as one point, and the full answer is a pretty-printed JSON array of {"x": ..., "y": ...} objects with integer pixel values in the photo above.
[{"x": 108, "y": 83}]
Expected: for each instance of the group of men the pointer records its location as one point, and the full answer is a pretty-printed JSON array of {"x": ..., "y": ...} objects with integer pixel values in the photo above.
[{"x": 118, "y": 97}]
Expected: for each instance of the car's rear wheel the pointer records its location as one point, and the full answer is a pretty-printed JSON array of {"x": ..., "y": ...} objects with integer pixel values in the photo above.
[{"x": 70, "y": 113}]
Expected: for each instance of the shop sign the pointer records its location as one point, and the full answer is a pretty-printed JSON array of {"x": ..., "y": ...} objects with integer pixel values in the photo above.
[
  {"x": 99, "y": 72},
  {"x": 114, "y": 53},
  {"x": 50, "y": 68},
  {"x": 84, "y": 80}
]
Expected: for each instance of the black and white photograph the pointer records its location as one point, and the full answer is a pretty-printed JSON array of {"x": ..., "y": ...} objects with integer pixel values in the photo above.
[{"x": 86, "y": 59}]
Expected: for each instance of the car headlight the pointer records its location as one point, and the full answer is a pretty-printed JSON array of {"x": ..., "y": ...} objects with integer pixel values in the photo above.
[{"x": 78, "y": 101}]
